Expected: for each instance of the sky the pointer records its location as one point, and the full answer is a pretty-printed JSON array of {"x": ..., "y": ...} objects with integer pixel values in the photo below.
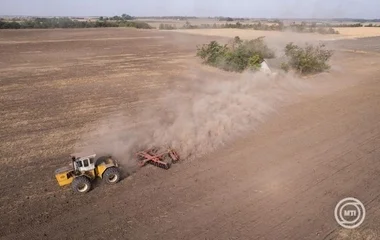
[{"x": 368, "y": 9}]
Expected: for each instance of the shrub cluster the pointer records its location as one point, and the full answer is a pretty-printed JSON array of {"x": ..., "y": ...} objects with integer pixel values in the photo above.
[
  {"x": 372, "y": 25},
  {"x": 134, "y": 24},
  {"x": 237, "y": 56},
  {"x": 69, "y": 23},
  {"x": 254, "y": 26},
  {"x": 312, "y": 28},
  {"x": 167, "y": 26},
  {"x": 229, "y": 19},
  {"x": 326, "y": 30},
  {"x": 345, "y": 25},
  {"x": 308, "y": 60},
  {"x": 117, "y": 18},
  {"x": 240, "y": 55}
]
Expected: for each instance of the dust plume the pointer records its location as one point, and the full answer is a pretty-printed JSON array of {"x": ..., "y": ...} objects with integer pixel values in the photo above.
[{"x": 198, "y": 117}]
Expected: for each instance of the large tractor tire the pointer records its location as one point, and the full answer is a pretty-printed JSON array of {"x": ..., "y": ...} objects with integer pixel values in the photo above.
[
  {"x": 81, "y": 184},
  {"x": 112, "y": 175}
]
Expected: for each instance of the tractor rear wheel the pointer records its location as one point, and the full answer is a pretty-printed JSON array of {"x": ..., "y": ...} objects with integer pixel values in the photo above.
[
  {"x": 112, "y": 175},
  {"x": 81, "y": 184}
]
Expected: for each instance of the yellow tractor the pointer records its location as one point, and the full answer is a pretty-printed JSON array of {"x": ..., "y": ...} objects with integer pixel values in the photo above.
[{"x": 85, "y": 169}]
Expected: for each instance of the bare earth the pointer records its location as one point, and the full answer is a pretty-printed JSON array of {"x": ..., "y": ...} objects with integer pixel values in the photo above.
[{"x": 280, "y": 182}]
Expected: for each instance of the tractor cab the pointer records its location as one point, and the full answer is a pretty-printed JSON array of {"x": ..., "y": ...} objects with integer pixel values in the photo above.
[{"x": 84, "y": 164}]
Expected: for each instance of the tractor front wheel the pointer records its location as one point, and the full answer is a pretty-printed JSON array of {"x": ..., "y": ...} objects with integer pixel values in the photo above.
[
  {"x": 81, "y": 184},
  {"x": 112, "y": 175}
]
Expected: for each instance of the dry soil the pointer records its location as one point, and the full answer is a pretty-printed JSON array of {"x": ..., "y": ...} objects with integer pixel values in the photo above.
[{"x": 281, "y": 181}]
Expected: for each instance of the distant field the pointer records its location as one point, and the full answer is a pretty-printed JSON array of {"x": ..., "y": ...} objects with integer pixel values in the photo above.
[
  {"x": 359, "y": 32},
  {"x": 275, "y": 39},
  {"x": 179, "y": 23},
  {"x": 345, "y": 32}
]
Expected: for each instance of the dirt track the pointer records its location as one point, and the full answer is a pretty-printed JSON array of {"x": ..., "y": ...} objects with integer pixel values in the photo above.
[{"x": 280, "y": 182}]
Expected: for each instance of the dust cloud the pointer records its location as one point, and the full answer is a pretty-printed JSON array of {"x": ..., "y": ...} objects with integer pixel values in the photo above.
[{"x": 197, "y": 118}]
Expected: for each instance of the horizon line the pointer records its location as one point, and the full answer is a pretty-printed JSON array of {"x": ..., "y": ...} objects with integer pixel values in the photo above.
[{"x": 200, "y": 17}]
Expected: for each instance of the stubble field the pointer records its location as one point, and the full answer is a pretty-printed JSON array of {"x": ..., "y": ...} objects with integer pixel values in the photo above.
[{"x": 278, "y": 180}]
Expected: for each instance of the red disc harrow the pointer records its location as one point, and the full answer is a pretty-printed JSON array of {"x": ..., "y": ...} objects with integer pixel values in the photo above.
[{"x": 160, "y": 158}]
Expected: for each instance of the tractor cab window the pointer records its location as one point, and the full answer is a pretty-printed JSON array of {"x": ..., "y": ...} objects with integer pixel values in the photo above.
[
  {"x": 79, "y": 164},
  {"x": 85, "y": 163}
]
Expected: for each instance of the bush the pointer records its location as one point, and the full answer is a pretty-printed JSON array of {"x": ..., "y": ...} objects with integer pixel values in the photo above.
[
  {"x": 285, "y": 66},
  {"x": 372, "y": 25},
  {"x": 134, "y": 24},
  {"x": 188, "y": 25},
  {"x": 307, "y": 60},
  {"x": 311, "y": 28},
  {"x": 227, "y": 19},
  {"x": 9, "y": 25},
  {"x": 167, "y": 26},
  {"x": 237, "y": 56},
  {"x": 345, "y": 25},
  {"x": 326, "y": 30}
]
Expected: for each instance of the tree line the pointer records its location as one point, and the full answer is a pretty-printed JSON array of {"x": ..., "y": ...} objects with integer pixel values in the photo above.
[
  {"x": 275, "y": 26},
  {"x": 44, "y": 23}
]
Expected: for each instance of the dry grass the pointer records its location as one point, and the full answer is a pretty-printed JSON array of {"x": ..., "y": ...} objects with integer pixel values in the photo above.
[{"x": 359, "y": 32}]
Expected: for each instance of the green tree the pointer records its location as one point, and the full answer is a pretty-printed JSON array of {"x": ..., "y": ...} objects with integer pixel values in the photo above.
[
  {"x": 68, "y": 23},
  {"x": 237, "y": 56},
  {"x": 308, "y": 60},
  {"x": 126, "y": 17}
]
